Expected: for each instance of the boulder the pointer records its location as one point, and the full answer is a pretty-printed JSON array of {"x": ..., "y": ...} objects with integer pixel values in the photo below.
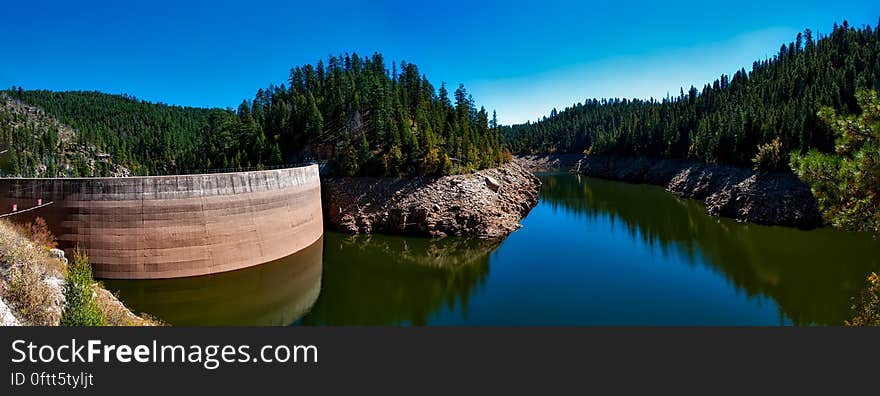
[
  {"x": 492, "y": 183},
  {"x": 57, "y": 253}
]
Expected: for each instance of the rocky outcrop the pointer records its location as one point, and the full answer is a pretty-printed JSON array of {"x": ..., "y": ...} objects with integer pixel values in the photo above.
[
  {"x": 773, "y": 198},
  {"x": 549, "y": 162},
  {"x": 7, "y": 318},
  {"x": 485, "y": 204}
]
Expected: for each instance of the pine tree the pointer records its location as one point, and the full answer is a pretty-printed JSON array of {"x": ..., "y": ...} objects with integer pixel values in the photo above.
[{"x": 846, "y": 183}]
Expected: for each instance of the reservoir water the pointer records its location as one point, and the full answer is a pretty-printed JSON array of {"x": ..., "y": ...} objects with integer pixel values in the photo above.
[{"x": 592, "y": 252}]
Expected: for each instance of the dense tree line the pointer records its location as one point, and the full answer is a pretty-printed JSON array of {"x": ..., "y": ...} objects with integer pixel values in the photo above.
[
  {"x": 376, "y": 121},
  {"x": 728, "y": 120},
  {"x": 148, "y": 138},
  {"x": 353, "y": 111},
  {"x": 26, "y": 145}
]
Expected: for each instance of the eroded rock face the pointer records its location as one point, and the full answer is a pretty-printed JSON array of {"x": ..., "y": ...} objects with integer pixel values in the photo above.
[
  {"x": 771, "y": 198},
  {"x": 485, "y": 204},
  {"x": 774, "y": 198},
  {"x": 549, "y": 162}
]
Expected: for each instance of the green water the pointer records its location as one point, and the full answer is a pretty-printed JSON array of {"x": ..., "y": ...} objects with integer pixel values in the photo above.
[
  {"x": 592, "y": 252},
  {"x": 275, "y": 293}
]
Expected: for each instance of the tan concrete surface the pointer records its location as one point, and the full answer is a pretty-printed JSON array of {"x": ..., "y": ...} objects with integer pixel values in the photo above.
[{"x": 176, "y": 226}]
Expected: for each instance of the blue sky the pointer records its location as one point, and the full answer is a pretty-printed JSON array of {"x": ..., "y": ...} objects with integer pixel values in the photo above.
[{"x": 520, "y": 58}]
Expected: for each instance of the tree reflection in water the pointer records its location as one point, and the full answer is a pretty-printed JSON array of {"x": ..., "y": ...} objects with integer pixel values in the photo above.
[
  {"x": 592, "y": 252},
  {"x": 393, "y": 280},
  {"x": 812, "y": 275}
]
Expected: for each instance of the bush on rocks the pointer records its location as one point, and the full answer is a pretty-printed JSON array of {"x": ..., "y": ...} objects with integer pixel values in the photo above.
[{"x": 770, "y": 157}]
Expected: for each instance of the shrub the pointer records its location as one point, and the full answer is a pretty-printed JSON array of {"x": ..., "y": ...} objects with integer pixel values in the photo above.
[
  {"x": 39, "y": 233},
  {"x": 866, "y": 307},
  {"x": 80, "y": 306},
  {"x": 30, "y": 295},
  {"x": 347, "y": 164},
  {"x": 770, "y": 157}
]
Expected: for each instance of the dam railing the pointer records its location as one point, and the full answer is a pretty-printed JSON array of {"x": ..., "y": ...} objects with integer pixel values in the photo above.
[
  {"x": 16, "y": 211},
  {"x": 323, "y": 168}
]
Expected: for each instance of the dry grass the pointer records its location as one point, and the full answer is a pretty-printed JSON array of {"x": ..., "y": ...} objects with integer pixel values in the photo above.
[
  {"x": 37, "y": 232},
  {"x": 115, "y": 312},
  {"x": 31, "y": 279}
]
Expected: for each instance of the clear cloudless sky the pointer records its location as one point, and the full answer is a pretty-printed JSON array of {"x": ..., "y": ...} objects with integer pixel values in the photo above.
[{"x": 522, "y": 58}]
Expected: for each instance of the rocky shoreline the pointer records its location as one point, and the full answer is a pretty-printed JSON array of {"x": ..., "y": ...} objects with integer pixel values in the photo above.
[
  {"x": 549, "y": 162},
  {"x": 772, "y": 198},
  {"x": 486, "y": 204}
]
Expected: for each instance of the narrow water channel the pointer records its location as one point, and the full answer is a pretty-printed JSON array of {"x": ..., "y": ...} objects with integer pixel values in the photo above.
[{"x": 592, "y": 252}]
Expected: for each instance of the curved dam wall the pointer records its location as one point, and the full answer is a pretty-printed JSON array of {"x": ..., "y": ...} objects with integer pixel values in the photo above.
[{"x": 176, "y": 226}]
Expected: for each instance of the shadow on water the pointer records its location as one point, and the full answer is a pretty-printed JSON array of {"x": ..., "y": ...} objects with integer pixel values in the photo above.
[
  {"x": 393, "y": 280},
  {"x": 811, "y": 275},
  {"x": 592, "y": 252},
  {"x": 276, "y": 293}
]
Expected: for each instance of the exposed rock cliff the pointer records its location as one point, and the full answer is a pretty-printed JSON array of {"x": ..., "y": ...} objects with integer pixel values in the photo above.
[
  {"x": 774, "y": 198},
  {"x": 549, "y": 162},
  {"x": 485, "y": 204}
]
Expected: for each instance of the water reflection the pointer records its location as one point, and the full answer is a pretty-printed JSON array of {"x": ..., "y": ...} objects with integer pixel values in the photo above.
[
  {"x": 811, "y": 275},
  {"x": 393, "y": 280},
  {"x": 592, "y": 252},
  {"x": 275, "y": 293}
]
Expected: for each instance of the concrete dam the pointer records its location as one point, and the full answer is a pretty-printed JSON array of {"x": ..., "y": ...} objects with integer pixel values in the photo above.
[{"x": 154, "y": 227}]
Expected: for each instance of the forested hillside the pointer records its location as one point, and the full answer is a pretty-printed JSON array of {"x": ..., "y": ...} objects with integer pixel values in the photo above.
[
  {"x": 355, "y": 111},
  {"x": 725, "y": 121},
  {"x": 376, "y": 121},
  {"x": 35, "y": 144}
]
